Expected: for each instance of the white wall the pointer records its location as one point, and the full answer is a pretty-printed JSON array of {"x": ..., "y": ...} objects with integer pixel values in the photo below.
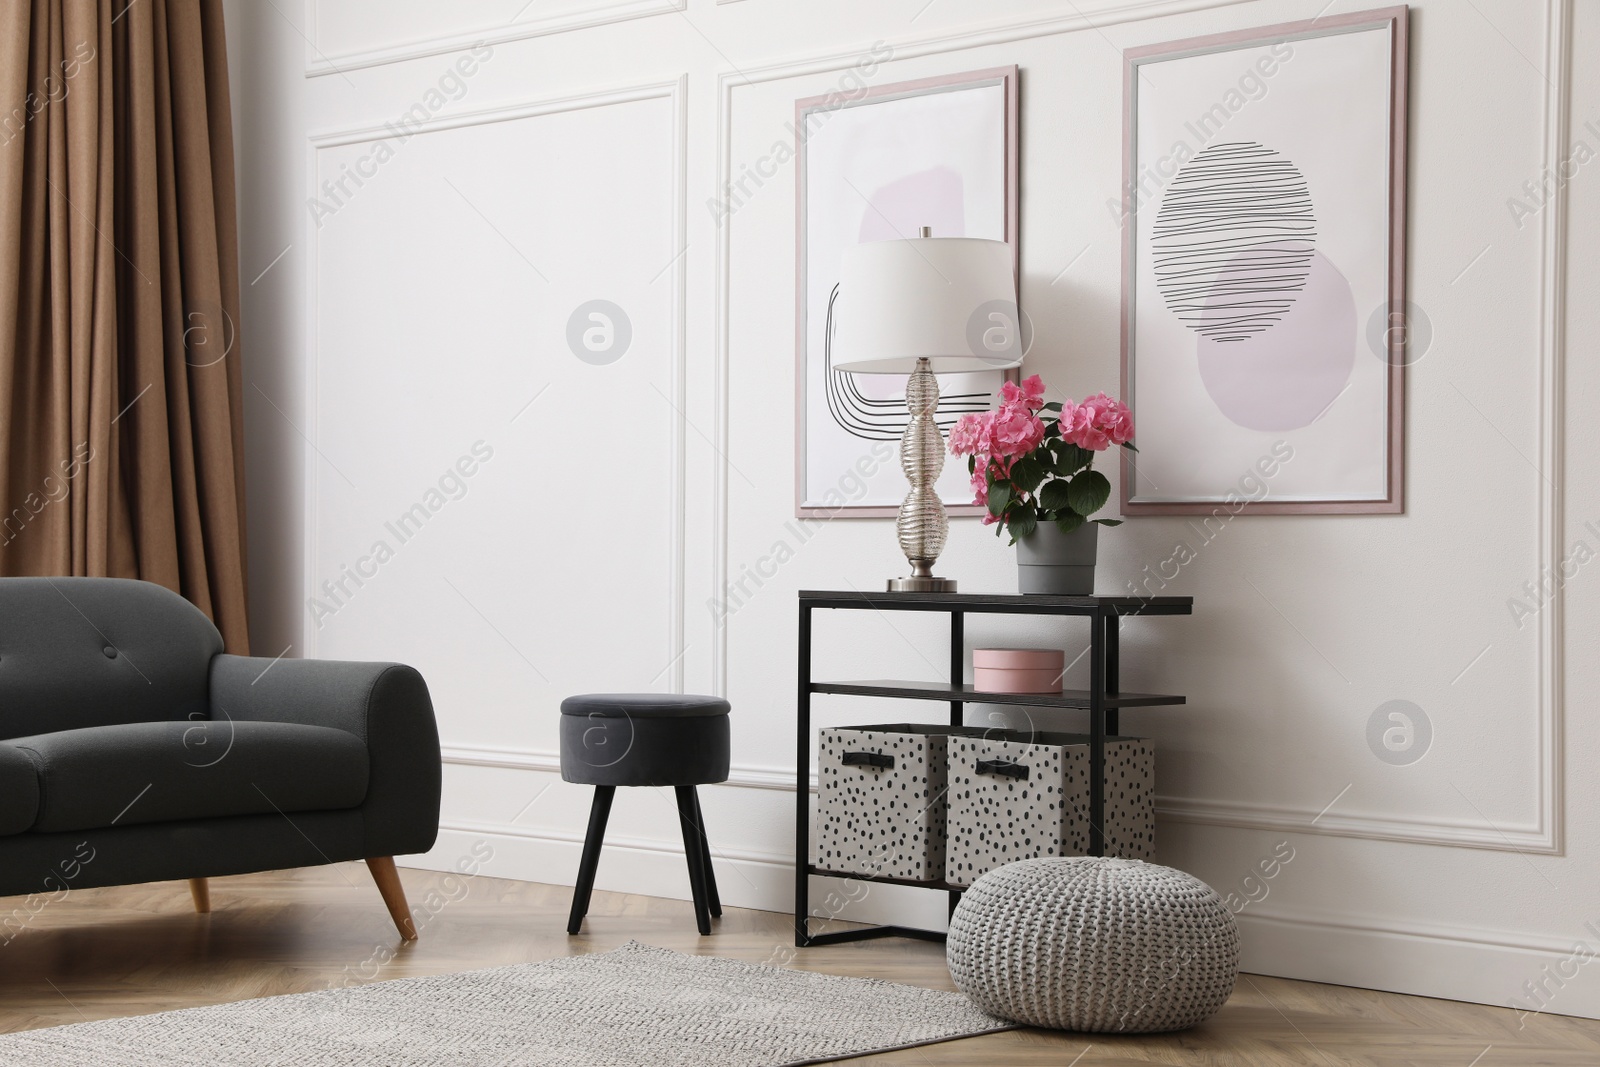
[{"x": 570, "y": 157}]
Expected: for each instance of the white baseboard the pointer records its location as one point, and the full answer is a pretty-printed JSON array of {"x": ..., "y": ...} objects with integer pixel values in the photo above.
[
  {"x": 745, "y": 879},
  {"x": 1453, "y": 963},
  {"x": 527, "y": 759}
]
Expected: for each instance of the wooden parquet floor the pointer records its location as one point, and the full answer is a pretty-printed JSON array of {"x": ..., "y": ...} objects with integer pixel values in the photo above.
[{"x": 102, "y": 953}]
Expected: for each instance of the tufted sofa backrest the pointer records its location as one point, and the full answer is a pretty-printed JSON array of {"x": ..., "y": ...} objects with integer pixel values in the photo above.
[{"x": 78, "y": 652}]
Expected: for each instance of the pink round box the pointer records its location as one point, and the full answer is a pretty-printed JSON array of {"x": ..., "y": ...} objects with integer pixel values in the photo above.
[{"x": 1017, "y": 670}]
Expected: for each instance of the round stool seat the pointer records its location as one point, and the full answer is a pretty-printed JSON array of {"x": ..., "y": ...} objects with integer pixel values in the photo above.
[
  {"x": 644, "y": 705},
  {"x": 649, "y": 739},
  {"x": 1094, "y": 944}
]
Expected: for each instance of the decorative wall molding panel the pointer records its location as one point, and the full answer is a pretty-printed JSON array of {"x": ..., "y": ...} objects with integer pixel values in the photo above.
[
  {"x": 1546, "y": 836},
  {"x": 673, "y": 91},
  {"x": 668, "y": 90},
  {"x": 527, "y": 23},
  {"x": 1466, "y": 834},
  {"x": 1546, "y": 778}
]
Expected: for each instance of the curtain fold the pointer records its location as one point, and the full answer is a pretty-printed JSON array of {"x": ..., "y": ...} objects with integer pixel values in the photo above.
[{"x": 121, "y": 389}]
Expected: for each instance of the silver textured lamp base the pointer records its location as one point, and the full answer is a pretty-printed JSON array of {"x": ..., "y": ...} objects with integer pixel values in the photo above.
[
  {"x": 929, "y": 584},
  {"x": 922, "y": 525}
]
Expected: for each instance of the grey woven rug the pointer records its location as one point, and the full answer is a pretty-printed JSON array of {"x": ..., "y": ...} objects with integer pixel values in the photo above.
[{"x": 636, "y": 1005}]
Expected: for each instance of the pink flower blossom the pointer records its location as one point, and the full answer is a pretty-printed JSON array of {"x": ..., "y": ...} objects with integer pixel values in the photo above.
[
  {"x": 1113, "y": 418},
  {"x": 1015, "y": 431},
  {"x": 980, "y": 487},
  {"x": 1097, "y": 423},
  {"x": 970, "y": 435},
  {"x": 1030, "y": 394},
  {"x": 1077, "y": 426}
]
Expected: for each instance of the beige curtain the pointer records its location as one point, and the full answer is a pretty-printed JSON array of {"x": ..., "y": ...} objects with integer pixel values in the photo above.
[{"x": 121, "y": 448}]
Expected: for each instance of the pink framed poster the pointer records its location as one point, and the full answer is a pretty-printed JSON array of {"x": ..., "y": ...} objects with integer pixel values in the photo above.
[
  {"x": 1264, "y": 323},
  {"x": 877, "y": 165}
]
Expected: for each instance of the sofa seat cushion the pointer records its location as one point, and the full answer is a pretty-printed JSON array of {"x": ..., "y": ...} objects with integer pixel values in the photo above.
[
  {"x": 152, "y": 772},
  {"x": 19, "y": 792}
]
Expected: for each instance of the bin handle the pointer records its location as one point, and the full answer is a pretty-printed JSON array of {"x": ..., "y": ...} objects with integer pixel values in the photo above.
[
  {"x": 1002, "y": 767},
  {"x": 867, "y": 759}
]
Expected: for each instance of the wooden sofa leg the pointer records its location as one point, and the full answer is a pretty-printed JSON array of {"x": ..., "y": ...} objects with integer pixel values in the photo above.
[
  {"x": 394, "y": 894},
  {"x": 200, "y": 889}
]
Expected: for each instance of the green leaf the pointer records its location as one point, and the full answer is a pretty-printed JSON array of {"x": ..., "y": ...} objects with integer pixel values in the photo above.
[
  {"x": 999, "y": 497},
  {"x": 1129, "y": 446},
  {"x": 1053, "y": 497},
  {"x": 1052, "y": 406},
  {"x": 1088, "y": 492},
  {"x": 1069, "y": 522},
  {"x": 1022, "y": 522},
  {"x": 972, "y": 464},
  {"x": 1052, "y": 457},
  {"x": 1109, "y": 522},
  {"x": 1072, "y": 458},
  {"x": 1026, "y": 474}
]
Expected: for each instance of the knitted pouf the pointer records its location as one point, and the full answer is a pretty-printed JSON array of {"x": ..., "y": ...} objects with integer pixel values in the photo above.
[{"x": 1094, "y": 944}]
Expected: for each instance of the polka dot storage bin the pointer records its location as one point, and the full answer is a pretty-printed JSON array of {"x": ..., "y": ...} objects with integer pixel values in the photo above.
[
  {"x": 881, "y": 800},
  {"x": 1018, "y": 796}
]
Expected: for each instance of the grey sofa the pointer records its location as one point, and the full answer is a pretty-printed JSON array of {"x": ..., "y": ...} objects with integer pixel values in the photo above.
[{"x": 133, "y": 750}]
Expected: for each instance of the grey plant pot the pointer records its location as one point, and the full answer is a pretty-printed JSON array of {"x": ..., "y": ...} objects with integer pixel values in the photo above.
[{"x": 1049, "y": 561}]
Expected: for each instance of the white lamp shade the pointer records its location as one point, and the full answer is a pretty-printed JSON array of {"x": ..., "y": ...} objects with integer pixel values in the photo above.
[{"x": 949, "y": 300}]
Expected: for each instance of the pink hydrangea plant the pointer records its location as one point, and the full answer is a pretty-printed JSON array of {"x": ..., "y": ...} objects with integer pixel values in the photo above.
[{"x": 1032, "y": 461}]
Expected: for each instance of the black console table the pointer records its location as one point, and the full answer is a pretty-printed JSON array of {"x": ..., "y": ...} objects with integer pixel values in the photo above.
[{"x": 1103, "y": 700}]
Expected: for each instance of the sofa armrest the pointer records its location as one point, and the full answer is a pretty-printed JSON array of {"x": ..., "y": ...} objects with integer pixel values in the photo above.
[{"x": 386, "y": 705}]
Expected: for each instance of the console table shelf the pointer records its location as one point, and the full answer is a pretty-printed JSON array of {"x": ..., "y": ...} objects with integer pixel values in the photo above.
[
  {"x": 1067, "y": 698},
  {"x": 1102, "y": 700},
  {"x": 917, "y": 883}
]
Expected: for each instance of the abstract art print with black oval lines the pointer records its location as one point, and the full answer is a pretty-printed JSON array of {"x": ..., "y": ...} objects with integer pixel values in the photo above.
[{"x": 1265, "y": 330}]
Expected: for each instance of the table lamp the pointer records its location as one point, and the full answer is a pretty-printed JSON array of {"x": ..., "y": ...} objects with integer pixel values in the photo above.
[{"x": 925, "y": 306}]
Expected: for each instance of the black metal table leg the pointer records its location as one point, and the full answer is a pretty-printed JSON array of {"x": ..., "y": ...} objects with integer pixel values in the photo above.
[
  {"x": 599, "y": 812},
  {"x": 958, "y": 675},
  {"x": 802, "y": 787},
  {"x": 958, "y": 664},
  {"x": 1113, "y": 668},
  {"x": 1097, "y": 734}
]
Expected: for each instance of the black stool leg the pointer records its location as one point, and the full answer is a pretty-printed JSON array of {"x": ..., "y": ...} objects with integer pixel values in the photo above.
[
  {"x": 599, "y": 811},
  {"x": 713, "y": 901},
  {"x": 692, "y": 849}
]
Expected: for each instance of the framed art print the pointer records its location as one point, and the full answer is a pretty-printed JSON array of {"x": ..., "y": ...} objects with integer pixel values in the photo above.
[
  {"x": 877, "y": 166},
  {"x": 1264, "y": 316}
]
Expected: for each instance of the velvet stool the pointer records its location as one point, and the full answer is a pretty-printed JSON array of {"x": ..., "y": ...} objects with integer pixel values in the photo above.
[{"x": 646, "y": 739}]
